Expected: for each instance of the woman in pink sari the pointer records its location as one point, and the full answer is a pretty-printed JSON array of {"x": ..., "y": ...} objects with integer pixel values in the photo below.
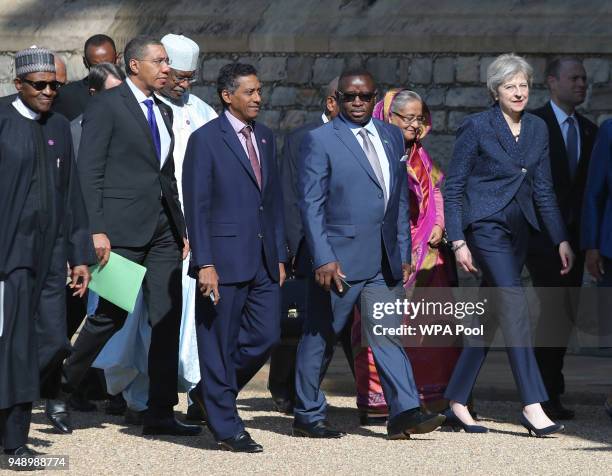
[{"x": 433, "y": 267}]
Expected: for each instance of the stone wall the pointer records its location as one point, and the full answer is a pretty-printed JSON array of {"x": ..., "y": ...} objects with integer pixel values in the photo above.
[
  {"x": 452, "y": 85},
  {"x": 441, "y": 50}
]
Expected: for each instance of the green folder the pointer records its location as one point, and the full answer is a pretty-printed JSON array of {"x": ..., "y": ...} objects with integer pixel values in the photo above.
[{"x": 118, "y": 281}]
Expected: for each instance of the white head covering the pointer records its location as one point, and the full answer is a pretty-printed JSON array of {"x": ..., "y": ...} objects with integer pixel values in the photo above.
[{"x": 182, "y": 51}]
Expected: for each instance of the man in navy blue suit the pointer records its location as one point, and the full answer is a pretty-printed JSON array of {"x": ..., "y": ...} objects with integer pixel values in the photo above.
[
  {"x": 233, "y": 209},
  {"x": 354, "y": 205}
]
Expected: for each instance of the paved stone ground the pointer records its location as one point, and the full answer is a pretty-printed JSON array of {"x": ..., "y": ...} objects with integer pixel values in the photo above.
[{"x": 103, "y": 445}]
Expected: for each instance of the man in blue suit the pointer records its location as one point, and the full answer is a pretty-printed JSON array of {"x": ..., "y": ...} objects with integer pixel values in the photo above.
[
  {"x": 354, "y": 204},
  {"x": 233, "y": 209}
]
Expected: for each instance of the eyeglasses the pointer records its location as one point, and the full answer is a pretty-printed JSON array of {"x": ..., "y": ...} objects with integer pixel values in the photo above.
[
  {"x": 42, "y": 85},
  {"x": 188, "y": 79},
  {"x": 158, "y": 61},
  {"x": 350, "y": 97},
  {"x": 410, "y": 119}
]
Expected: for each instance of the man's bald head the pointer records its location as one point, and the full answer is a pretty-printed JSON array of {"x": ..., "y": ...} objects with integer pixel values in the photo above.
[{"x": 331, "y": 104}]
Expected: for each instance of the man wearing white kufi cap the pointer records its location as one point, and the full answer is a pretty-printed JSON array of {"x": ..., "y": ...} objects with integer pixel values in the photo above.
[
  {"x": 123, "y": 369},
  {"x": 190, "y": 113}
]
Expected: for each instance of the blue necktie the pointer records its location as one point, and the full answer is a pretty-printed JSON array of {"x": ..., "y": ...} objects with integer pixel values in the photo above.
[
  {"x": 572, "y": 146},
  {"x": 153, "y": 126}
]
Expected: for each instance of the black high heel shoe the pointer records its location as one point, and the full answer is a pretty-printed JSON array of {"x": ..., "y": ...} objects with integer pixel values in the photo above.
[
  {"x": 540, "y": 432},
  {"x": 456, "y": 424}
]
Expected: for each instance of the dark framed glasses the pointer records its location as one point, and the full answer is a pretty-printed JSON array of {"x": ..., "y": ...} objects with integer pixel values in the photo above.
[
  {"x": 409, "y": 119},
  {"x": 351, "y": 97},
  {"x": 42, "y": 85}
]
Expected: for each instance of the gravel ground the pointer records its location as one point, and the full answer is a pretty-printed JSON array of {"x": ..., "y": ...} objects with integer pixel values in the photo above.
[{"x": 103, "y": 445}]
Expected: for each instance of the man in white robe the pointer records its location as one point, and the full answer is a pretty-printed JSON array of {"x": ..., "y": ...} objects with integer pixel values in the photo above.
[{"x": 122, "y": 358}]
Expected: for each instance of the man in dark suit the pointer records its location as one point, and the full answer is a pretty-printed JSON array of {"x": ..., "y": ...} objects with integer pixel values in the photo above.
[
  {"x": 75, "y": 95},
  {"x": 354, "y": 204},
  {"x": 281, "y": 381},
  {"x": 571, "y": 137},
  {"x": 127, "y": 173},
  {"x": 233, "y": 207}
]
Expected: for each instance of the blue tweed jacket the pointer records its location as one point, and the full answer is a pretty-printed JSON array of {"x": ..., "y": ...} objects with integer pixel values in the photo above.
[{"x": 489, "y": 168}]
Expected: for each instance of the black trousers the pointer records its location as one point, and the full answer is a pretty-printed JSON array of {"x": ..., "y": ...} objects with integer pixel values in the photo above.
[
  {"x": 558, "y": 312},
  {"x": 163, "y": 299},
  {"x": 15, "y": 425},
  {"x": 281, "y": 380}
]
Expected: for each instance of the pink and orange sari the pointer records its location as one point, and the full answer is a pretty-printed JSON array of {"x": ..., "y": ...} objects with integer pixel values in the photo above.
[{"x": 432, "y": 366}]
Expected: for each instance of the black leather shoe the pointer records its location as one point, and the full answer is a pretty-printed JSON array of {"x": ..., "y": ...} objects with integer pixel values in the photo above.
[
  {"x": 57, "y": 413},
  {"x": 282, "y": 405},
  {"x": 412, "y": 422},
  {"x": 556, "y": 411},
  {"x": 196, "y": 411},
  {"x": 133, "y": 417},
  {"x": 241, "y": 443},
  {"x": 115, "y": 405},
  {"x": 21, "y": 452},
  {"x": 169, "y": 426},
  {"x": 78, "y": 402},
  {"x": 540, "y": 432},
  {"x": 318, "y": 429}
]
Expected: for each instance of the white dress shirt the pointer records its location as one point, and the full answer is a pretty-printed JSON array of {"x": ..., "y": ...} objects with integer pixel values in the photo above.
[
  {"x": 164, "y": 135},
  {"x": 561, "y": 119},
  {"x": 378, "y": 145},
  {"x": 189, "y": 114}
]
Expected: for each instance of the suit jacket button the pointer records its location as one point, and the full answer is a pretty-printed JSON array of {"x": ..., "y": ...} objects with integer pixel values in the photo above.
[
  {"x": 261, "y": 208},
  {"x": 523, "y": 170},
  {"x": 380, "y": 195},
  {"x": 259, "y": 235}
]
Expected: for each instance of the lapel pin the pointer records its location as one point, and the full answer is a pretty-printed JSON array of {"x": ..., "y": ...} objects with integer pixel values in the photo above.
[
  {"x": 263, "y": 141},
  {"x": 51, "y": 142},
  {"x": 58, "y": 162},
  {"x": 404, "y": 158},
  {"x": 385, "y": 141}
]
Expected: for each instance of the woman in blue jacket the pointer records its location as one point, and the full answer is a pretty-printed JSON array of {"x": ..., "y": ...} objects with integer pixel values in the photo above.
[{"x": 499, "y": 175}]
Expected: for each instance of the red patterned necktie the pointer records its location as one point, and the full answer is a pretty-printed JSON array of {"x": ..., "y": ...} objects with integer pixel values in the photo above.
[{"x": 246, "y": 132}]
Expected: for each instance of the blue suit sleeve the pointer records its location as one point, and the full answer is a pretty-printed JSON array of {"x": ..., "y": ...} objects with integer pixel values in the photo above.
[
  {"x": 596, "y": 190},
  {"x": 465, "y": 152},
  {"x": 544, "y": 195},
  {"x": 313, "y": 183},
  {"x": 197, "y": 188},
  {"x": 404, "y": 240}
]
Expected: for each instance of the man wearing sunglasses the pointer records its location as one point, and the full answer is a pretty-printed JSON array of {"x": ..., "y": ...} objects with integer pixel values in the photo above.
[
  {"x": 127, "y": 174},
  {"x": 60, "y": 77},
  {"x": 353, "y": 197},
  {"x": 43, "y": 226}
]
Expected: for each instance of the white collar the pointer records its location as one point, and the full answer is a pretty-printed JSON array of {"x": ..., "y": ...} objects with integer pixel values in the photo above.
[
  {"x": 560, "y": 114},
  {"x": 370, "y": 127},
  {"x": 140, "y": 96},
  {"x": 184, "y": 101},
  {"x": 24, "y": 110},
  {"x": 324, "y": 118}
]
